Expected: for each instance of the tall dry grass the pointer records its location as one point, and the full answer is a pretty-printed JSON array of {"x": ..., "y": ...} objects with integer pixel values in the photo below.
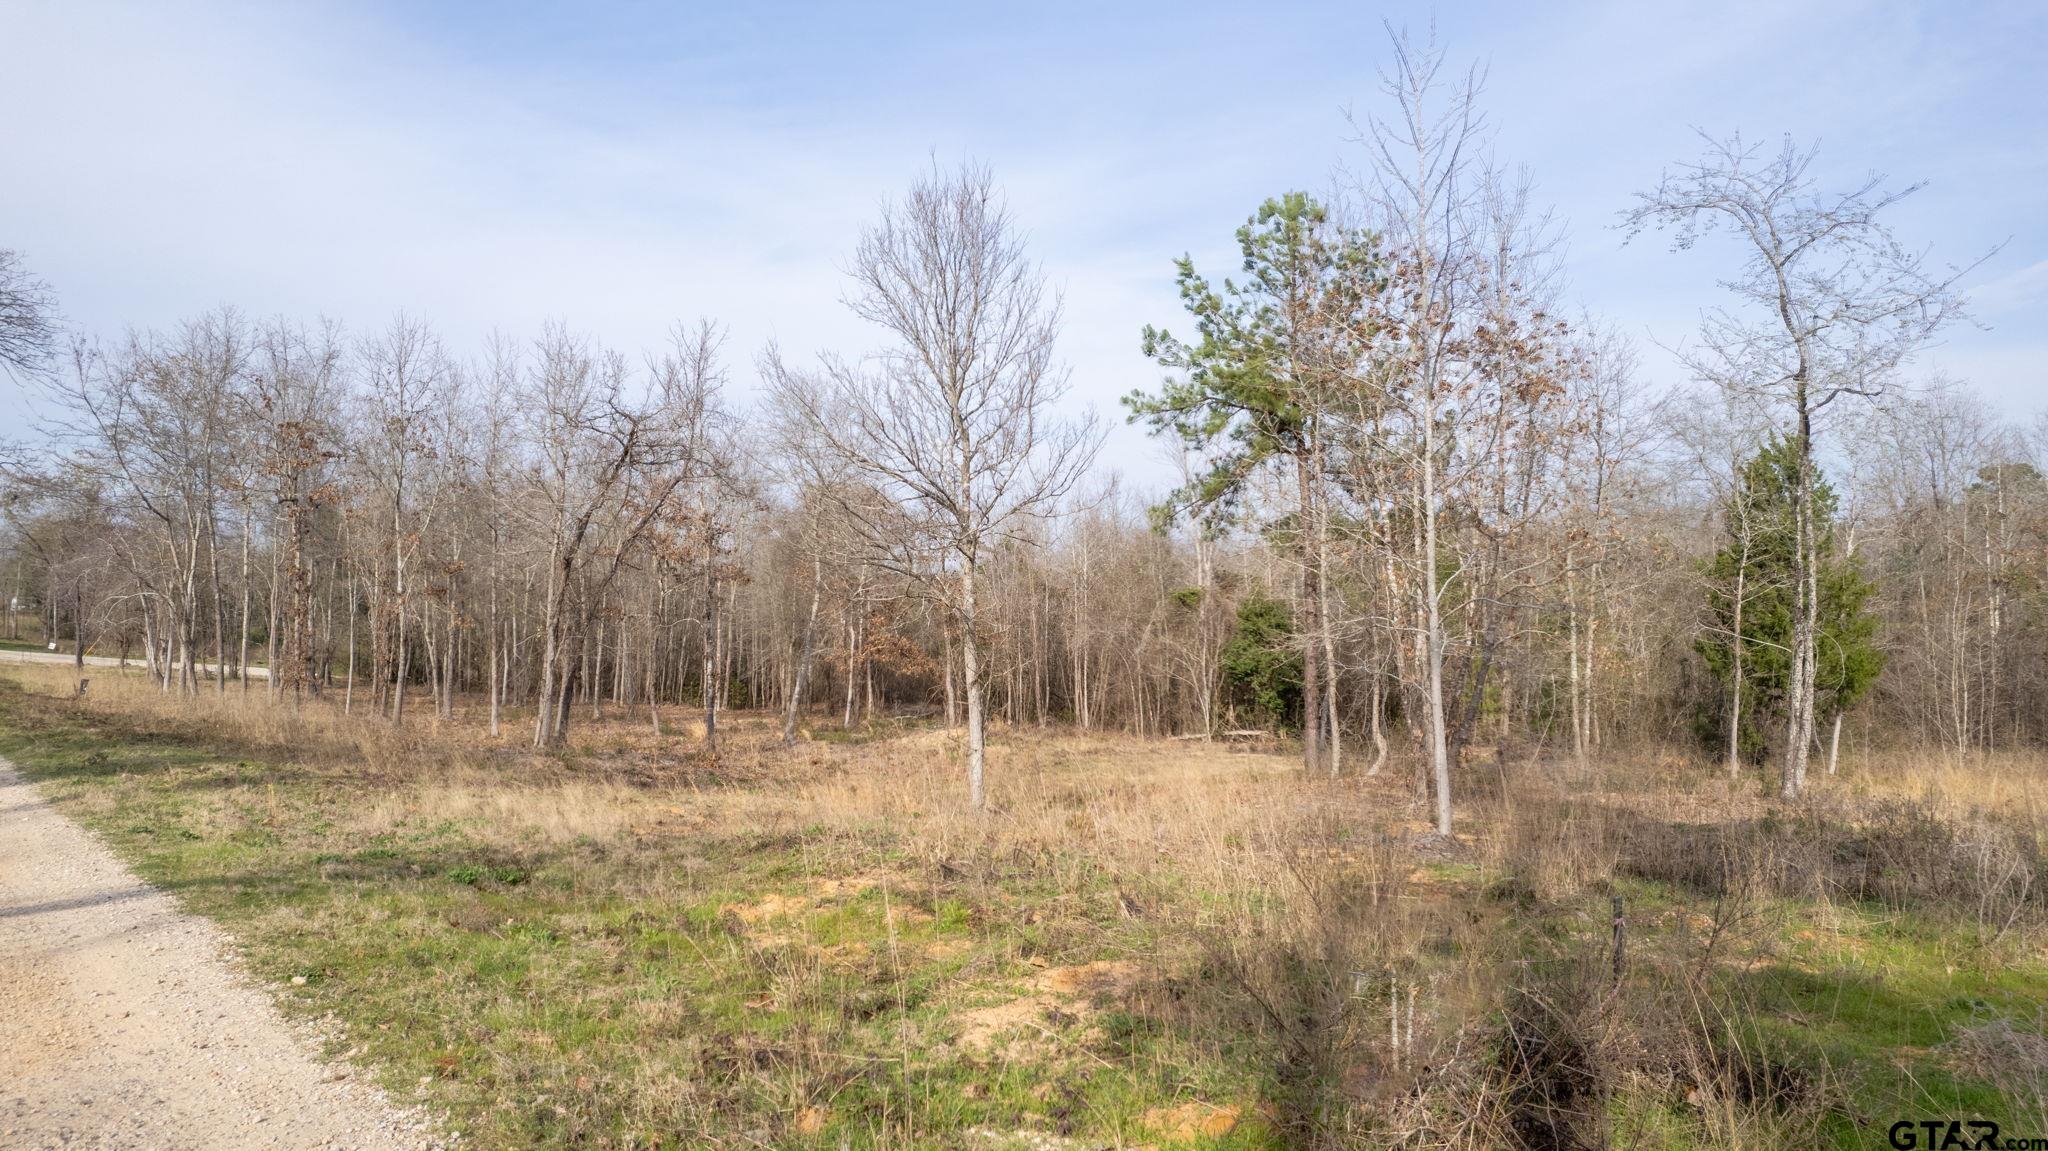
[{"x": 1433, "y": 993}]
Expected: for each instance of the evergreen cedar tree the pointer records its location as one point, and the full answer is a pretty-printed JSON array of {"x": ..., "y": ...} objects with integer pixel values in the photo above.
[{"x": 1848, "y": 659}]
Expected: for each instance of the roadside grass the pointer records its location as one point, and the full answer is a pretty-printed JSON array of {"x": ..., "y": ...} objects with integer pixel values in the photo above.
[
  {"x": 630, "y": 945},
  {"x": 665, "y": 982}
]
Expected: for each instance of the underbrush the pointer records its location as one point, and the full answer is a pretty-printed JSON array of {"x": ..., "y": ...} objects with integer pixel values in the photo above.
[{"x": 632, "y": 944}]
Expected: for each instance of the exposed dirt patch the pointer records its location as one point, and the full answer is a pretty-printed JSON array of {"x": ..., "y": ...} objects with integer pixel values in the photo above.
[
  {"x": 1059, "y": 996},
  {"x": 1191, "y": 1120}
]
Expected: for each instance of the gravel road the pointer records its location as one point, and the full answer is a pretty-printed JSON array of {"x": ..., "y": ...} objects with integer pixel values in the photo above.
[
  {"x": 15, "y": 655},
  {"x": 125, "y": 1023}
]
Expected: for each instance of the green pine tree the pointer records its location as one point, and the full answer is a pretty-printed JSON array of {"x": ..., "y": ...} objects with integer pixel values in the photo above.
[
  {"x": 1751, "y": 578},
  {"x": 1245, "y": 392},
  {"x": 1248, "y": 391},
  {"x": 1261, "y": 661}
]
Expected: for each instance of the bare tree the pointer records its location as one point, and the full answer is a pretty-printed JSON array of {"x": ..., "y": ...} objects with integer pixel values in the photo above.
[
  {"x": 955, "y": 420},
  {"x": 1832, "y": 305},
  {"x": 405, "y": 375},
  {"x": 608, "y": 469},
  {"x": 28, "y": 318},
  {"x": 153, "y": 421},
  {"x": 290, "y": 397},
  {"x": 1424, "y": 187}
]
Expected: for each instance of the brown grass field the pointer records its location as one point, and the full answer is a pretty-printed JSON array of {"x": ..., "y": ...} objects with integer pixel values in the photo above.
[{"x": 1141, "y": 943}]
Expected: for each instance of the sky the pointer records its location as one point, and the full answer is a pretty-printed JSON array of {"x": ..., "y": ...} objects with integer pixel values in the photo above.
[{"x": 627, "y": 166}]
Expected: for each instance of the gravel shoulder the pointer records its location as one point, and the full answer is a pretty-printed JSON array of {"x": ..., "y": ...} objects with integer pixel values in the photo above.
[{"x": 125, "y": 1023}]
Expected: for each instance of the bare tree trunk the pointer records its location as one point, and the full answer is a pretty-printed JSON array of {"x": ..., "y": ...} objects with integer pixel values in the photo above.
[
  {"x": 793, "y": 707},
  {"x": 1329, "y": 643},
  {"x": 710, "y": 641},
  {"x": 448, "y": 662},
  {"x": 1205, "y": 649},
  {"x": 1572, "y": 606},
  {"x": 1037, "y": 660},
  {"x": 970, "y": 658},
  {"x": 398, "y": 592},
  {"x": 1592, "y": 671},
  {"x": 348, "y": 691},
  {"x": 242, "y": 658},
  {"x": 952, "y": 700},
  {"x": 149, "y": 643},
  {"x": 1799, "y": 720},
  {"x": 1433, "y": 634},
  {"x": 399, "y": 659},
  {"x": 220, "y": 638},
  {"x": 1735, "y": 686},
  {"x": 657, "y": 601},
  {"x": 494, "y": 639},
  {"x": 444, "y": 683},
  {"x": 1399, "y": 601},
  {"x": 1312, "y": 628},
  {"x": 728, "y": 645},
  {"x": 188, "y": 627},
  {"x": 1078, "y": 641},
  {"x": 551, "y": 663},
  {"x": 852, "y": 676},
  {"x": 78, "y": 636},
  {"x": 1379, "y": 738},
  {"x": 272, "y": 686}
]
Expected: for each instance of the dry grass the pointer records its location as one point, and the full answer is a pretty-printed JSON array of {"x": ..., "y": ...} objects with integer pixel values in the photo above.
[{"x": 1298, "y": 955}]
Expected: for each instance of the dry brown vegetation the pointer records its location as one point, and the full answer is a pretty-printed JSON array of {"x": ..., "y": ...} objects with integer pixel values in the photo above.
[{"x": 1327, "y": 971}]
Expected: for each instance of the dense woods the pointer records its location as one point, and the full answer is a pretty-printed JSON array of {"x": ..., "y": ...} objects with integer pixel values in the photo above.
[{"x": 1430, "y": 518}]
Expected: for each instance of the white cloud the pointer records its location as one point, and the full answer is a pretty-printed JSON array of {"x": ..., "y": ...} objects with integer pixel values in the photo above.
[
  {"x": 331, "y": 160},
  {"x": 2020, "y": 294}
]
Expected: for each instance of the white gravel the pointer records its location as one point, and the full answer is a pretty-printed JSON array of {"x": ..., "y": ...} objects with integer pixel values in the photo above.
[{"x": 125, "y": 1023}]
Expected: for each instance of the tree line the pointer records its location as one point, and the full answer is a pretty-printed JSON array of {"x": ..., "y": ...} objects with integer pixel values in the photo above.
[{"x": 1428, "y": 516}]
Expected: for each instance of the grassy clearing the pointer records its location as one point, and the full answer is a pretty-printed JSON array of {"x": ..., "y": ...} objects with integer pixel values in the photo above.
[{"x": 1145, "y": 944}]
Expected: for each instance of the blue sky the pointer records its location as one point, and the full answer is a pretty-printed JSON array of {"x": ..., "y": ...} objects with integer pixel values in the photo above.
[{"x": 506, "y": 164}]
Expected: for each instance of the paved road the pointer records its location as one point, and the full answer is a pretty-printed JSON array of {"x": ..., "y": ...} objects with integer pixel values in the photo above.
[
  {"x": 125, "y": 1024},
  {"x": 10, "y": 655}
]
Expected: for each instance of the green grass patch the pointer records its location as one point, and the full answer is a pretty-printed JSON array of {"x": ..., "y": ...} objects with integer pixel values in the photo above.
[{"x": 666, "y": 991}]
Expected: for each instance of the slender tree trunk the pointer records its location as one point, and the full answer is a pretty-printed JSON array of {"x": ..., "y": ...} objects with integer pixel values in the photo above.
[
  {"x": 1329, "y": 647},
  {"x": 852, "y": 675},
  {"x": 493, "y": 655},
  {"x": 710, "y": 640},
  {"x": 1571, "y": 596},
  {"x": 793, "y": 707},
  {"x": 1592, "y": 667},
  {"x": 78, "y": 636},
  {"x": 728, "y": 645},
  {"x": 657, "y": 600},
  {"x": 1433, "y": 634},
  {"x": 1205, "y": 646},
  {"x": 272, "y": 684},
  {"x": 1379, "y": 737},
  {"x": 1312, "y": 628},
  {"x": 242, "y": 657},
  {"x": 220, "y": 603},
  {"x": 149, "y": 644},
  {"x": 1735, "y": 684},
  {"x": 1077, "y": 643},
  {"x": 552, "y": 665},
  {"x": 348, "y": 691},
  {"x": 399, "y": 655},
  {"x": 970, "y": 658},
  {"x": 1799, "y": 736},
  {"x": 952, "y": 702}
]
